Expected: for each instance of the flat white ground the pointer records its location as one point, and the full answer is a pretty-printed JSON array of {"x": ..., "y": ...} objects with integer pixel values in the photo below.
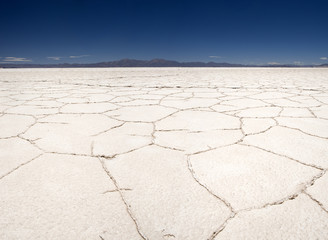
[{"x": 164, "y": 153}]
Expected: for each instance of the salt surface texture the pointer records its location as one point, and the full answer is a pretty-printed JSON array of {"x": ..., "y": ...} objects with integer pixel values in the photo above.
[{"x": 167, "y": 153}]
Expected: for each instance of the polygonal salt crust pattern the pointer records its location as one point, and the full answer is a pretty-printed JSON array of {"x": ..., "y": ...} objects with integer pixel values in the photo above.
[{"x": 163, "y": 153}]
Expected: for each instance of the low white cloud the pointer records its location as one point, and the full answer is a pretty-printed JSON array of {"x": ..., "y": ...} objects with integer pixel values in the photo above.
[
  {"x": 273, "y": 63},
  {"x": 298, "y": 63},
  {"x": 55, "y": 58},
  {"x": 16, "y": 59},
  {"x": 80, "y": 56},
  {"x": 214, "y": 56},
  {"x": 324, "y": 58},
  {"x": 60, "y": 58}
]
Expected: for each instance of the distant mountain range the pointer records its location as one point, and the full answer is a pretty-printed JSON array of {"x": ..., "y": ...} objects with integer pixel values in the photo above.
[{"x": 143, "y": 63}]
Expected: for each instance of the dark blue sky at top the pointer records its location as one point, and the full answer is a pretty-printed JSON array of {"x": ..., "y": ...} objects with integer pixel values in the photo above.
[{"x": 253, "y": 32}]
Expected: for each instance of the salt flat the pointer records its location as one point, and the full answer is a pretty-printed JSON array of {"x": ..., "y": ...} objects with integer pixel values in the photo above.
[{"x": 168, "y": 153}]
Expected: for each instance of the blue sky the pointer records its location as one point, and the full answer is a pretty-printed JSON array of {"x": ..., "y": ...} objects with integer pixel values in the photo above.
[{"x": 83, "y": 31}]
